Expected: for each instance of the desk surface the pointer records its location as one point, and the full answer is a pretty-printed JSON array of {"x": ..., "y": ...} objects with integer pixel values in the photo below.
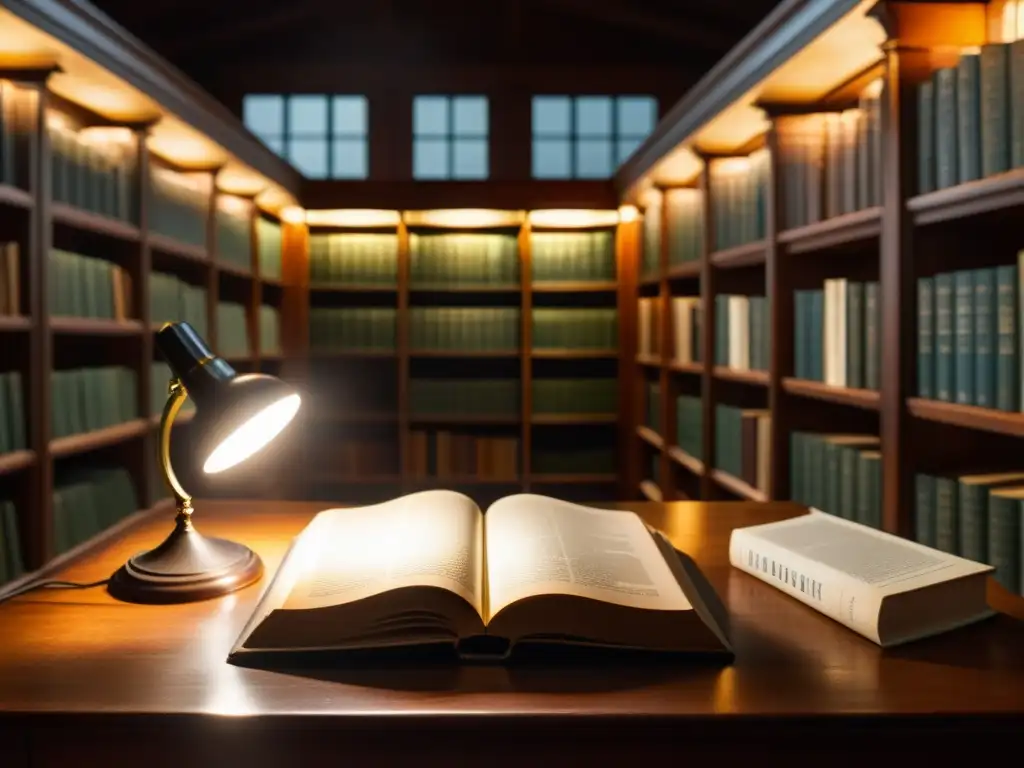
[{"x": 80, "y": 652}]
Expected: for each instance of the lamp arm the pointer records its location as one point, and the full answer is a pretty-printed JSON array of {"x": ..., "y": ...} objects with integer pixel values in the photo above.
[{"x": 176, "y": 396}]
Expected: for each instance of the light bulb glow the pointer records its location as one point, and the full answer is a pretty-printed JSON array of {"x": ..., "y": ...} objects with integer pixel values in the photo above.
[{"x": 252, "y": 435}]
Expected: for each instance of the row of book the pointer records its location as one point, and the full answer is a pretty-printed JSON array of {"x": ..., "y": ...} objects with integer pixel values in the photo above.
[
  {"x": 590, "y": 460},
  {"x": 353, "y": 258},
  {"x": 85, "y": 286},
  {"x": 270, "y": 329},
  {"x": 269, "y": 244},
  {"x": 233, "y": 222},
  {"x": 739, "y": 198},
  {"x": 353, "y": 328},
  {"x": 979, "y": 517},
  {"x": 830, "y": 163},
  {"x": 573, "y": 256},
  {"x": 179, "y": 206},
  {"x": 675, "y": 216},
  {"x": 971, "y": 117},
  {"x": 97, "y": 176},
  {"x": 443, "y": 453},
  {"x": 743, "y": 444},
  {"x": 159, "y": 380},
  {"x": 232, "y": 330},
  {"x": 690, "y": 425},
  {"x": 687, "y": 319},
  {"x": 567, "y": 396},
  {"x": 87, "y": 502},
  {"x": 12, "y": 564},
  {"x": 968, "y": 342},
  {"x": 15, "y": 123},
  {"x": 452, "y": 259},
  {"x": 575, "y": 328},
  {"x": 172, "y": 300},
  {"x": 838, "y": 473},
  {"x": 12, "y": 413},
  {"x": 837, "y": 334},
  {"x": 10, "y": 280},
  {"x": 86, "y": 399},
  {"x": 742, "y": 332},
  {"x": 470, "y": 329},
  {"x": 469, "y": 397}
]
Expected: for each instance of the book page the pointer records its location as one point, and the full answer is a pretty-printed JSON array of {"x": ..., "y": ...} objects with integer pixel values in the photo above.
[
  {"x": 433, "y": 538},
  {"x": 539, "y": 545}
]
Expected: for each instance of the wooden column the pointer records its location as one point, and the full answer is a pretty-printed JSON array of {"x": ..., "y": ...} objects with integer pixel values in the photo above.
[{"x": 627, "y": 257}]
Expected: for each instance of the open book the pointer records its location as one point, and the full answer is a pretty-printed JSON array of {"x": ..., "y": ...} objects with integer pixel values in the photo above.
[
  {"x": 431, "y": 568},
  {"x": 888, "y": 589}
]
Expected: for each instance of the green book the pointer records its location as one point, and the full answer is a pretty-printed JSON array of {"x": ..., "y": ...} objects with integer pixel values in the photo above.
[
  {"x": 872, "y": 336},
  {"x": 973, "y": 513},
  {"x": 925, "y": 338},
  {"x": 963, "y": 344},
  {"x": 1005, "y": 531},
  {"x": 1017, "y": 103},
  {"x": 946, "y": 523},
  {"x": 995, "y": 108},
  {"x": 924, "y": 510},
  {"x": 925, "y": 137},
  {"x": 1007, "y": 386},
  {"x": 946, "y": 163},
  {"x": 945, "y": 372},
  {"x": 855, "y": 335},
  {"x": 985, "y": 337},
  {"x": 968, "y": 117}
]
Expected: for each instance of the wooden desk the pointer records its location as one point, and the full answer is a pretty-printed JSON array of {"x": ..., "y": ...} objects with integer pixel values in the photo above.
[{"x": 85, "y": 680}]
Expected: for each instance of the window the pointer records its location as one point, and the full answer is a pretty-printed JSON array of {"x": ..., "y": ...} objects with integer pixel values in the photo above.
[
  {"x": 449, "y": 137},
  {"x": 322, "y": 136},
  {"x": 588, "y": 137}
]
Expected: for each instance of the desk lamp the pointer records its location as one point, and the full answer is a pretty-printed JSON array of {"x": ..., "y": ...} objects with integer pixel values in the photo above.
[{"x": 236, "y": 416}]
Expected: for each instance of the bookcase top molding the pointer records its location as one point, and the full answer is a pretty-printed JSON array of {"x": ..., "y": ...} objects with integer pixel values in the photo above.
[{"x": 97, "y": 66}]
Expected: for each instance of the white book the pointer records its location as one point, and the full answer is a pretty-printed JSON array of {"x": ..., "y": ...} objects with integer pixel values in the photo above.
[
  {"x": 682, "y": 326},
  {"x": 888, "y": 589},
  {"x": 739, "y": 333}
]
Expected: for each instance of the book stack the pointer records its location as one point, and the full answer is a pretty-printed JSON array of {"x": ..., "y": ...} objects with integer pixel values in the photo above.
[
  {"x": 12, "y": 413},
  {"x": 648, "y": 323},
  {"x": 468, "y": 329},
  {"x": 464, "y": 397},
  {"x": 232, "y": 330},
  {"x": 88, "y": 501},
  {"x": 978, "y": 516},
  {"x": 685, "y": 234},
  {"x": 687, "y": 320},
  {"x": 838, "y": 334},
  {"x": 270, "y": 330},
  {"x": 353, "y": 258},
  {"x": 86, "y": 399},
  {"x": 95, "y": 176},
  {"x": 355, "y": 328},
  {"x": 179, "y": 206},
  {"x": 652, "y": 412},
  {"x": 460, "y": 259},
  {"x": 838, "y": 474},
  {"x": 558, "y": 396},
  {"x": 269, "y": 243},
  {"x": 10, "y": 280},
  {"x": 742, "y": 339},
  {"x": 743, "y": 444},
  {"x": 444, "y": 454},
  {"x": 233, "y": 221},
  {"x": 173, "y": 300},
  {"x": 83, "y": 286},
  {"x": 738, "y": 200},
  {"x": 967, "y": 337},
  {"x": 159, "y": 379},
  {"x": 572, "y": 256},
  {"x": 577, "y": 461},
  {"x": 971, "y": 117},
  {"x": 650, "y": 257},
  {"x": 575, "y": 329},
  {"x": 690, "y": 425},
  {"x": 12, "y": 565}
]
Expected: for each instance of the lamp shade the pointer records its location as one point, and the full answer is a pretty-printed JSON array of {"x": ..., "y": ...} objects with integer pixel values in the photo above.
[{"x": 236, "y": 414}]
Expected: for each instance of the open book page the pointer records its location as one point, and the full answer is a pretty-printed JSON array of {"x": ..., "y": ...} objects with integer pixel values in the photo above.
[
  {"x": 433, "y": 538},
  {"x": 841, "y": 568},
  {"x": 539, "y": 545}
]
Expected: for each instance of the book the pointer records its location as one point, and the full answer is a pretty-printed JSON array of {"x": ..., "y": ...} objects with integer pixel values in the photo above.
[
  {"x": 887, "y": 589},
  {"x": 432, "y": 569}
]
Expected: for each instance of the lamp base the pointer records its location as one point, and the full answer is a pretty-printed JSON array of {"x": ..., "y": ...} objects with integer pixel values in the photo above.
[{"x": 186, "y": 567}]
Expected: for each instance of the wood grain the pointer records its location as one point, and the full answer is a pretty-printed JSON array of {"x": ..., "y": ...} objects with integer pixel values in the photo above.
[{"x": 93, "y": 681}]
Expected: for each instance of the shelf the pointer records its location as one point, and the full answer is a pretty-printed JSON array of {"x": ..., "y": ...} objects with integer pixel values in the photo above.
[
  {"x": 650, "y": 490},
  {"x": 235, "y": 270},
  {"x": 14, "y": 197},
  {"x": 868, "y": 399},
  {"x": 15, "y": 461},
  {"x": 100, "y": 438},
  {"x": 556, "y": 419},
  {"x": 995, "y": 193},
  {"x": 353, "y": 353},
  {"x": 741, "y": 256},
  {"x": 651, "y": 361},
  {"x": 464, "y": 418},
  {"x": 15, "y": 323},
  {"x": 737, "y": 486},
  {"x": 840, "y": 230},
  {"x": 94, "y": 326},
  {"x": 574, "y": 354},
  {"x": 581, "y": 286},
  {"x": 173, "y": 247},
  {"x": 649, "y": 436},
  {"x": 347, "y": 288},
  {"x": 758, "y": 378},
  {"x": 680, "y": 367},
  {"x": 583, "y": 479},
  {"x": 684, "y": 270},
  {"x": 969, "y": 416},
  {"x": 467, "y": 288},
  {"x": 87, "y": 221},
  {"x": 683, "y": 459},
  {"x": 456, "y": 353}
]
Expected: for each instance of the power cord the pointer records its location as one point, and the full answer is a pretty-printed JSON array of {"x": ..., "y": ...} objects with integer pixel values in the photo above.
[{"x": 52, "y": 584}]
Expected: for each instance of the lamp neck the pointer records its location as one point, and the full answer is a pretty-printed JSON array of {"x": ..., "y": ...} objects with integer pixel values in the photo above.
[{"x": 176, "y": 395}]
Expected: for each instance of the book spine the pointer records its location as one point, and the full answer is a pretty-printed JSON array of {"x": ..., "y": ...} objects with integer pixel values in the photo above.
[
  {"x": 925, "y": 137},
  {"x": 925, "y": 338},
  {"x": 972, "y": 537},
  {"x": 995, "y": 108},
  {"x": 946, "y": 538},
  {"x": 947, "y": 165},
  {"x": 968, "y": 117},
  {"x": 985, "y": 338},
  {"x": 964, "y": 336},
  {"x": 1004, "y": 541},
  {"x": 945, "y": 379},
  {"x": 1006, "y": 386},
  {"x": 924, "y": 510},
  {"x": 1017, "y": 103},
  {"x": 872, "y": 337}
]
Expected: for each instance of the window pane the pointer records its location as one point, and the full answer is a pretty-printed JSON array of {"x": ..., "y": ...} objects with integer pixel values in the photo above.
[
  {"x": 430, "y": 159},
  {"x": 348, "y": 115},
  {"x": 551, "y": 158},
  {"x": 593, "y": 158},
  {"x": 469, "y": 114},
  {"x": 594, "y": 116},
  {"x": 551, "y": 115},
  {"x": 637, "y": 115},
  {"x": 309, "y": 156},
  {"x": 624, "y": 148},
  {"x": 430, "y": 116},
  {"x": 470, "y": 159},
  {"x": 348, "y": 160},
  {"x": 263, "y": 115},
  {"x": 307, "y": 115}
]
